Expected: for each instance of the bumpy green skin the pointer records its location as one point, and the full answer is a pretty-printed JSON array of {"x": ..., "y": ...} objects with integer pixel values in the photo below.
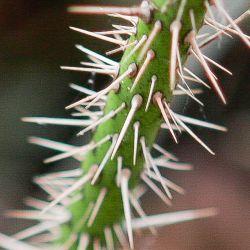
[{"x": 112, "y": 209}]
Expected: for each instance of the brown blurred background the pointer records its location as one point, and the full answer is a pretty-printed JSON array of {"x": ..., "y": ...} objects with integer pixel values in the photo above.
[{"x": 35, "y": 41}]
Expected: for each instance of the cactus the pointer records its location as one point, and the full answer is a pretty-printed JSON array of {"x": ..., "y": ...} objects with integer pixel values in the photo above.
[{"x": 90, "y": 203}]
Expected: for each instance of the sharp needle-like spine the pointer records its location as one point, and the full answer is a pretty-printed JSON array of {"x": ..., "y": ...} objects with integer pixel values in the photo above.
[
  {"x": 132, "y": 68},
  {"x": 105, "y": 159},
  {"x": 173, "y": 218},
  {"x": 37, "y": 229},
  {"x": 97, "y": 244},
  {"x": 155, "y": 31},
  {"x": 135, "y": 105},
  {"x": 213, "y": 23},
  {"x": 119, "y": 171},
  {"x": 193, "y": 23},
  {"x": 122, "y": 27},
  {"x": 85, "y": 99},
  {"x": 175, "y": 31},
  {"x": 110, "y": 115},
  {"x": 97, "y": 206},
  {"x": 137, "y": 46},
  {"x": 122, "y": 48},
  {"x": 126, "y": 173},
  {"x": 109, "y": 238},
  {"x": 164, "y": 152},
  {"x": 84, "y": 90},
  {"x": 192, "y": 133},
  {"x": 83, "y": 149},
  {"x": 217, "y": 34},
  {"x": 43, "y": 238},
  {"x": 121, "y": 237},
  {"x": 149, "y": 57},
  {"x": 153, "y": 82},
  {"x": 33, "y": 215},
  {"x": 190, "y": 94},
  {"x": 175, "y": 28},
  {"x": 52, "y": 191},
  {"x": 156, "y": 170},
  {"x": 65, "y": 174},
  {"x": 196, "y": 77},
  {"x": 142, "y": 11},
  {"x": 136, "y": 127},
  {"x": 84, "y": 218},
  {"x": 144, "y": 151},
  {"x": 10, "y": 243},
  {"x": 68, "y": 244},
  {"x": 183, "y": 80},
  {"x": 192, "y": 41},
  {"x": 218, "y": 65},
  {"x": 210, "y": 12},
  {"x": 157, "y": 98},
  {"x": 168, "y": 183},
  {"x": 97, "y": 56},
  {"x": 35, "y": 203},
  {"x": 68, "y": 191},
  {"x": 133, "y": 19},
  {"x": 167, "y": 106},
  {"x": 172, "y": 165},
  {"x": 102, "y": 37},
  {"x": 111, "y": 72},
  {"x": 98, "y": 65},
  {"x": 83, "y": 242},
  {"x": 201, "y": 123},
  {"x": 150, "y": 183},
  {"x": 222, "y": 10},
  {"x": 58, "y": 121},
  {"x": 198, "y": 58},
  {"x": 63, "y": 147},
  {"x": 140, "y": 211},
  {"x": 125, "y": 31}
]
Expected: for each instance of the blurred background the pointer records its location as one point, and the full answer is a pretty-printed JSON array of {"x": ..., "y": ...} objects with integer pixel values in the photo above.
[{"x": 35, "y": 41}]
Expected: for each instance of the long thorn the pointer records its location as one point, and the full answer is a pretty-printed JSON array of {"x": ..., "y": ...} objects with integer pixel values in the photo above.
[
  {"x": 136, "y": 127},
  {"x": 192, "y": 133},
  {"x": 109, "y": 238},
  {"x": 153, "y": 82},
  {"x": 208, "y": 71},
  {"x": 10, "y": 243},
  {"x": 105, "y": 118},
  {"x": 68, "y": 191},
  {"x": 135, "y": 105},
  {"x": 105, "y": 38},
  {"x": 137, "y": 46},
  {"x": 175, "y": 217},
  {"x": 149, "y": 57},
  {"x": 119, "y": 171},
  {"x": 158, "y": 100},
  {"x": 132, "y": 68},
  {"x": 83, "y": 242},
  {"x": 126, "y": 173},
  {"x": 221, "y": 9},
  {"x": 121, "y": 237},
  {"x": 175, "y": 31},
  {"x": 105, "y": 159},
  {"x": 155, "y": 31},
  {"x": 97, "y": 206},
  {"x": 142, "y": 11}
]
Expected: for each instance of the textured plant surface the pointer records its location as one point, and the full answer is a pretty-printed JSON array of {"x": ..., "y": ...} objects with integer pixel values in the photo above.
[{"x": 90, "y": 203}]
